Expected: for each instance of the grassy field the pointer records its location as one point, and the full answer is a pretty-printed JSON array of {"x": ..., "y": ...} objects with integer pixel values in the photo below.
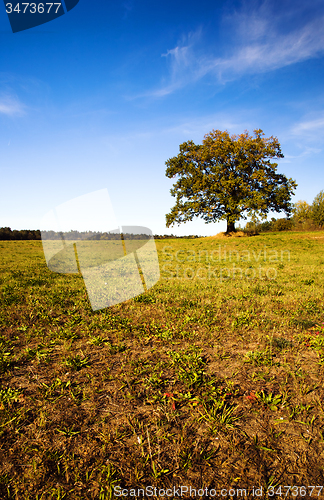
[{"x": 213, "y": 379}]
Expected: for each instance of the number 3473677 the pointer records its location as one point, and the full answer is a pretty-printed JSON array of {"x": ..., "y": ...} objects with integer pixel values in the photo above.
[{"x": 33, "y": 8}]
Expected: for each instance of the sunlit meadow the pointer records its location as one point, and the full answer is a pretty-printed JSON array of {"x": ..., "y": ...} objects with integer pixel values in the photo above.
[{"x": 213, "y": 378}]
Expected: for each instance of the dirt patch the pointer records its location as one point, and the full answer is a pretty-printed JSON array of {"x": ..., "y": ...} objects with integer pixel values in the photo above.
[{"x": 237, "y": 234}]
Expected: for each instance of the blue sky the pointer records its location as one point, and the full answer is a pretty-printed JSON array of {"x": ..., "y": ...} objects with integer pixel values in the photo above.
[{"x": 102, "y": 96}]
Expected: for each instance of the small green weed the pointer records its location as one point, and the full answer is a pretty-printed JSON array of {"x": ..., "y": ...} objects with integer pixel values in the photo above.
[
  {"x": 8, "y": 395},
  {"x": 244, "y": 319},
  {"x": 190, "y": 366},
  {"x": 6, "y": 349},
  {"x": 68, "y": 334},
  {"x": 154, "y": 381},
  {"x": 299, "y": 408},
  {"x": 98, "y": 341},
  {"x": 308, "y": 281},
  {"x": 219, "y": 414},
  {"x": 145, "y": 299},
  {"x": 68, "y": 431},
  {"x": 9, "y": 295},
  {"x": 259, "y": 357},
  {"x": 76, "y": 362},
  {"x": 56, "y": 388},
  {"x": 270, "y": 400}
]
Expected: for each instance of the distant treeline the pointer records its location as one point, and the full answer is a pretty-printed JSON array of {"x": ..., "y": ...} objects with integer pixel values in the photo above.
[
  {"x": 6, "y": 233},
  {"x": 286, "y": 224},
  {"x": 24, "y": 234},
  {"x": 304, "y": 217},
  {"x": 274, "y": 225},
  {"x": 89, "y": 235}
]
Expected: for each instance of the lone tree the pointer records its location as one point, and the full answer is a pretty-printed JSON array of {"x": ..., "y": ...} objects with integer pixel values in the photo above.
[{"x": 226, "y": 177}]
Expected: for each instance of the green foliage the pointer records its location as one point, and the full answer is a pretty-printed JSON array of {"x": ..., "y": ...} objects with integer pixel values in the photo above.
[
  {"x": 98, "y": 340},
  {"x": 6, "y": 233},
  {"x": 258, "y": 358},
  {"x": 76, "y": 362},
  {"x": 244, "y": 319},
  {"x": 8, "y": 396},
  {"x": 302, "y": 211},
  {"x": 5, "y": 354},
  {"x": 305, "y": 217},
  {"x": 219, "y": 415},
  {"x": 145, "y": 299},
  {"x": 190, "y": 366},
  {"x": 283, "y": 224},
  {"x": 270, "y": 399},
  {"x": 9, "y": 295},
  {"x": 226, "y": 177},
  {"x": 318, "y": 209}
]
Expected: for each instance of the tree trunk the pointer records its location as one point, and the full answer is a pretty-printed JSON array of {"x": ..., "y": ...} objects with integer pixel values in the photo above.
[{"x": 230, "y": 227}]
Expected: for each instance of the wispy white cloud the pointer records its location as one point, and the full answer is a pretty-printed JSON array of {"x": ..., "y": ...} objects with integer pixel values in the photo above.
[
  {"x": 307, "y": 152},
  {"x": 11, "y": 106},
  {"x": 182, "y": 67},
  {"x": 280, "y": 51},
  {"x": 258, "y": 44},
  {"x": 307, "y": 134},
  {"x": 309, "y": 126}
]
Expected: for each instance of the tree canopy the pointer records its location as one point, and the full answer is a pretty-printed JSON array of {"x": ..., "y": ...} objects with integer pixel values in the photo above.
[
  {"x": 302, "y": 211},
  {"x": 317, "y": 209},
  {"x": 228, "y": 177}
]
